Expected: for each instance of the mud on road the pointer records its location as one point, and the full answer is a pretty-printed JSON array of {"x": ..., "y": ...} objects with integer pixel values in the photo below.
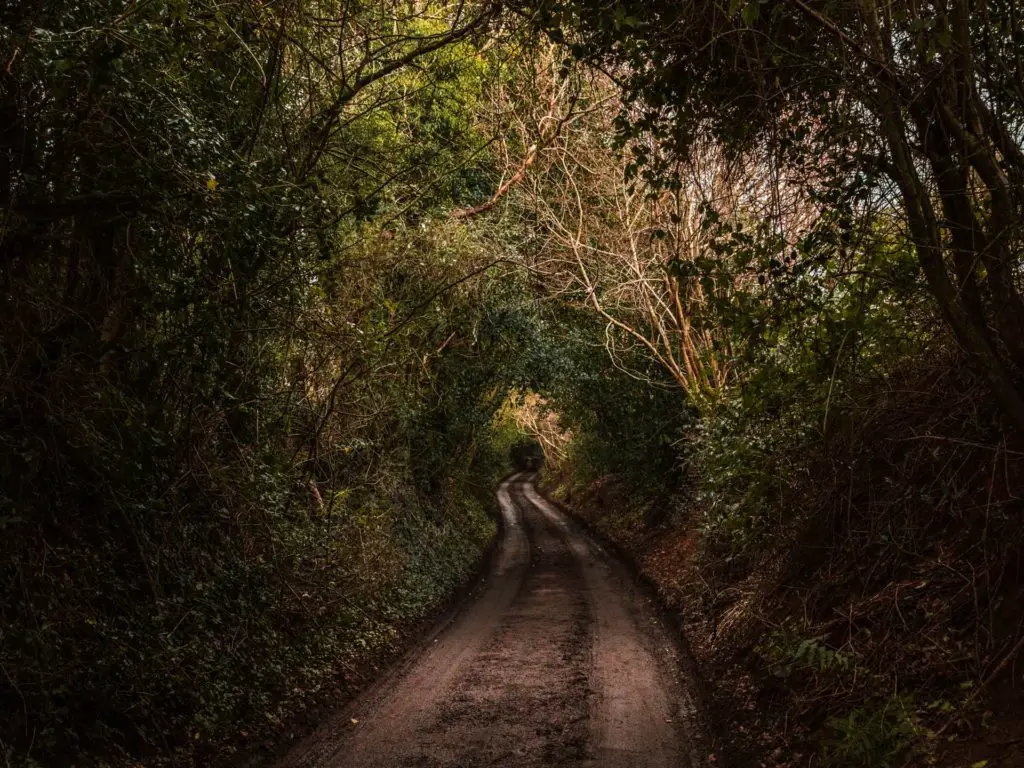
[{"x": 557, "y": 661}]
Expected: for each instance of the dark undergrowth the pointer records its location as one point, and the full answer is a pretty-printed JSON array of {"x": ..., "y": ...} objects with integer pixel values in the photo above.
[
  {"x": 878, "y": 621},
  {"x": 199, "y": 637},
  {"x": 249, "y": 365}
]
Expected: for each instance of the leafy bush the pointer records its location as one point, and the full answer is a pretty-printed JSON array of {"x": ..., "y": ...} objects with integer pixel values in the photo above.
[
  {"x": 618, "y": 425},
  {"x": 874, "y": 735},
  {"x": 788, "y": 652},
  {"x": 249, "y": 363}
]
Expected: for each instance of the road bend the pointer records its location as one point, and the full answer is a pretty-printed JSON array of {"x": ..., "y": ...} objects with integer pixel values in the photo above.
[{"x": 558, "y": 660}]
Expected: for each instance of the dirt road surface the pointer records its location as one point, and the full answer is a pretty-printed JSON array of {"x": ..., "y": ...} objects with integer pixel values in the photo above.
[{"x": 556, "y": 661}]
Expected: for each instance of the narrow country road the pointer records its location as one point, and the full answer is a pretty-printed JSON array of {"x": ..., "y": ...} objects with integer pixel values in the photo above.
[{"x": 556, "y": 661}]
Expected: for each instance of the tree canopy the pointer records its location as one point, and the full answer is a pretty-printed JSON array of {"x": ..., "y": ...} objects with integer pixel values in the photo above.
[{"x": 286, "y": 283}]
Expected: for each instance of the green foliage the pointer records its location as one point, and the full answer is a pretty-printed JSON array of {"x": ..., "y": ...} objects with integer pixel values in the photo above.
[
  {"x": 620, "y": 425},
  {"x": 788, "y": 652},
  {"x": 838, "y": 316},
  {"x": 744, "y": 474},
  {"x": 874, "y": 735},
  {"x": 255, "y": 375},
  {"x": 785, "y": 86},
  {"x": 250, "y": 368}
]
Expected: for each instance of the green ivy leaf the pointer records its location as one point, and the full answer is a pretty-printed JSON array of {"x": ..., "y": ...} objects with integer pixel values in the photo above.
[{"x": 750, "y": 12}]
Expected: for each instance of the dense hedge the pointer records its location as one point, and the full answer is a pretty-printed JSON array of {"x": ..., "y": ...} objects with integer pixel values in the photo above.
[{"x": 248, "y": 366}]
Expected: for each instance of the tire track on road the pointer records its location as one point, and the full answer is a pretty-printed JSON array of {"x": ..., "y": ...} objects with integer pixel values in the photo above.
[{"x": 555, "y": 663}]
